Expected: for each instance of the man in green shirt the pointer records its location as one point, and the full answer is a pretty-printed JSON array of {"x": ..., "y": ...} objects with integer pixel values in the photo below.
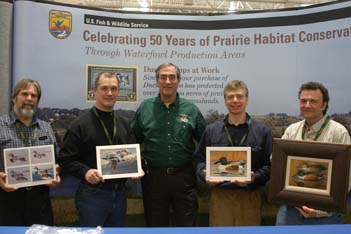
[{"x": 167, "y": 126}]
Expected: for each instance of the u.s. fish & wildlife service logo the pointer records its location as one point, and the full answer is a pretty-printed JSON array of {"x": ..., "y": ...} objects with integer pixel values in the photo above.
[{"x": 60, "y": 24}]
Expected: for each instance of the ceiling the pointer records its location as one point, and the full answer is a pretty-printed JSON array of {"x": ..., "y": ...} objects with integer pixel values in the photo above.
[{"x": 193, "y": 6}]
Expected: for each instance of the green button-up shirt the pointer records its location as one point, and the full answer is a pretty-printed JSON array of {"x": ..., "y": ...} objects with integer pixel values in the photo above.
[{"x": 167, "y": 134}]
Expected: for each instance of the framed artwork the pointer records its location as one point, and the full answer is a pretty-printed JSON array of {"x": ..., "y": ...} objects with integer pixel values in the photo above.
[
  {"x": 228, "y": 163},
  {"x": 315, "y": 174},
  {"x": 127, "y": 81},
  {"x": 119, "y": 161},
  {"x": 30, "y": 166}
]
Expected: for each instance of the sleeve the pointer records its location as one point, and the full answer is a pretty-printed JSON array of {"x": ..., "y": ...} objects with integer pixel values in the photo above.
[
  {"x": 136, "y": 127},
  {"x": 345, "y": 138},
  {"x": 321, "y": 213},
  {"x": 128, "y": 136},
  {"x": 200, "y": 156},
  {"x": 262, "y": 175},
  {"x": 53, "y": 140},
  {"x": 69, "y": 155},
  {"x": 286, "y": 135},
  {"x": 200, "y": 126}
]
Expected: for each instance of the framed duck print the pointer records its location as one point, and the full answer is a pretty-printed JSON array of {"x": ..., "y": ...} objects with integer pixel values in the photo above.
[
  {"x": 119, "y": 161},
  {"x": 30, "y": 166},
  {"x": 228, "y": 163},
  {"x": 315, "y": 174}
]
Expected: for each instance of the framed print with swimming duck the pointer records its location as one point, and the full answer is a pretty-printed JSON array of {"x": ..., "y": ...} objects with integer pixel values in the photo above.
[
  {"x": 314, "y": 174},
  {"x": 228, "y": 163}
]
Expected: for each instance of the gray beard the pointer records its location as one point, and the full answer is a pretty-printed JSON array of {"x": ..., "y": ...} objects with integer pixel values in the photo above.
[{"x": 28, "y": 113}]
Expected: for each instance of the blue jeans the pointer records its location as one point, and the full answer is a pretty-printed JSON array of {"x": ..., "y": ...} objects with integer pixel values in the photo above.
[
  {"x": 288, "y": 215},
  {"x": 101, "y": 205}
]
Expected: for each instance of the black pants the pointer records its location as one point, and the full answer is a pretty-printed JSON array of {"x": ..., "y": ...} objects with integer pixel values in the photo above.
[
  {"x": 164, "y": 192},
  {"x": 25, "y": 207}
]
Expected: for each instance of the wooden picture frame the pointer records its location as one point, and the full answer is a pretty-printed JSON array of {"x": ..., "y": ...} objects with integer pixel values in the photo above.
[
  {"x": 228, "y": 163},
  {"x": 315, "y": 174},
  {"x": 119, "y": 161}
]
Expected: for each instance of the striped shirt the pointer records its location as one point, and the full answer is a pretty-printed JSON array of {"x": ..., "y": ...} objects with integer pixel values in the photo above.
[{"x": 38, "y": 132}]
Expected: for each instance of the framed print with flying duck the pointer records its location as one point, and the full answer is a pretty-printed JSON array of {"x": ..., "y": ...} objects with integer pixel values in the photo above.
[{"x": 119, "y": 161}]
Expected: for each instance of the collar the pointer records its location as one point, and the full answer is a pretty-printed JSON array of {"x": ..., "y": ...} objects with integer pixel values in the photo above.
[
  {"x": 14, "y": 119},
  {"x": 103, "y": 113},
  {"x": 173, "y": 104},
  {"x": 315, "y": 127},
  {"x": 247, "y": 121}
]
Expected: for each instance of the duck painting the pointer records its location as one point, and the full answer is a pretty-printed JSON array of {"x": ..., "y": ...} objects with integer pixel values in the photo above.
[
  {"x": 225, "y": 166},
  {"x": 43, "y": 174},
  {"x": 312, "y": 176}
]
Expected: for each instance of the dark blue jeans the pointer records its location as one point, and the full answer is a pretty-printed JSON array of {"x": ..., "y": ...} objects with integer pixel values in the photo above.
[
  {"x": 288, "y": 215},
  {"x": 101, "y": 205}
]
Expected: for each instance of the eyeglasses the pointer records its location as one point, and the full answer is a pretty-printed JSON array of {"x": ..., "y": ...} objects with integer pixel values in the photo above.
[
  {"x": 312, "y": 102},
  {"x": 171, "y": 77},
  {"x": 237, "y": 97}
]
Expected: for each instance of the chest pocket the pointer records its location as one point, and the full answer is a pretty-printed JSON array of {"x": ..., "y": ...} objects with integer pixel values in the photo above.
[
  {"x": 44, "y": 139},
  {"x": 183, "y": 129}
]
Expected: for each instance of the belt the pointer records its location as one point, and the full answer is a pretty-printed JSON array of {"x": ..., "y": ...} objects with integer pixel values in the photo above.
[{"x": 172, "y": 170}]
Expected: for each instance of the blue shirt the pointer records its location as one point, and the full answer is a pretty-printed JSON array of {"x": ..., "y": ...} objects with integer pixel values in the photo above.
[
  {"x": 259, "y": 138},
  {"x": 37, "y": 133}
]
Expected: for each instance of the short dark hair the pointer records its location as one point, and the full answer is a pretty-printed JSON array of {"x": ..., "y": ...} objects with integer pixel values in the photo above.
[
  {"x": 316, "y": 86},
  {"x": 25, "y": 83},
  {"x": 167, "y": 65},
  {"x": 106, "y": 74},
  {"x": 234, "y": 85}
]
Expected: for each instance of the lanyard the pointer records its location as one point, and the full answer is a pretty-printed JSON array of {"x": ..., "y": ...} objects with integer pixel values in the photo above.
[
  {"x": 27, "y": 141},
  {"x": 326, "y": 121},
  {"x": 110, "y": 140},
  {"x": 243, "y": 139}
]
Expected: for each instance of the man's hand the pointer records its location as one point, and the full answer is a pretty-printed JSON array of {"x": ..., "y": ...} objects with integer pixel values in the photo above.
[
  {"x": 307, "y": 212},
  {"x": 245, "y": 182},
  {"x": 93, "y": 176},
  {"x": 58, "y": 178},
  {"x": 211, "y": 182},
  {"x": 138, "y": 177},
  {"x": 3, "y": 184}
]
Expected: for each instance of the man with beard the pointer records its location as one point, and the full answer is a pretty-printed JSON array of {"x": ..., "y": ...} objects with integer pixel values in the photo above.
[
  {"x": 21, "y": 128},
  {"x": 167, "y": 126}
]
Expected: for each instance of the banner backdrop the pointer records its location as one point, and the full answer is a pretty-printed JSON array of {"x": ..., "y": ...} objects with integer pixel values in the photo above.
[{"x": 64, "y": 47}]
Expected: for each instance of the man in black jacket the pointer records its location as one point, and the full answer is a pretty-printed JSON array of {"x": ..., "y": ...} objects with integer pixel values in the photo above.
[
  {"x": 237, "y": 202},
  {"x": 98, "y": 202}
]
